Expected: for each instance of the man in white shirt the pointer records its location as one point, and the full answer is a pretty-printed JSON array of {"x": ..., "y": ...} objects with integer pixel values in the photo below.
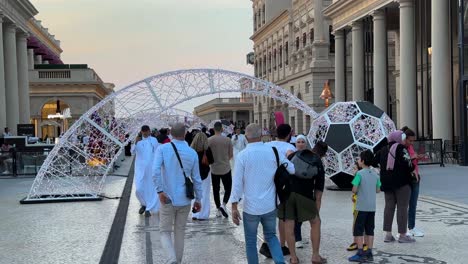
[
  {"x": 238, "y": 144},
  {"x": 145, "y": 149},
  {"x": 254, "y": 179},
  {"x": 284, "y": 132},
  {"x": 170, "y": 185},
  {"x": 7, "y": 132}
]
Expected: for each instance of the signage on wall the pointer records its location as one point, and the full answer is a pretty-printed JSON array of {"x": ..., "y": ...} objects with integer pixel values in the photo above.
[{"x": 26, "y": 130}]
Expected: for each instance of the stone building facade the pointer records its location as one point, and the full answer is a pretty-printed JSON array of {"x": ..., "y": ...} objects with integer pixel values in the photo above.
[{"x": 292, "y": 49}]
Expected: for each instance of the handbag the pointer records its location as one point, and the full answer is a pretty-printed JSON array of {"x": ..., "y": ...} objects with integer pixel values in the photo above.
[{"x": 188, "y": 182}]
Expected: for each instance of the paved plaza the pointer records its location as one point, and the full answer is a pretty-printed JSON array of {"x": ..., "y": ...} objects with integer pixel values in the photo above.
[{"x": 78, "y": 232}]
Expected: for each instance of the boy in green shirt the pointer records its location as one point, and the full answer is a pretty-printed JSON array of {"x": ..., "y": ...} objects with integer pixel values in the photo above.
[{"x": 366, "y": 184}]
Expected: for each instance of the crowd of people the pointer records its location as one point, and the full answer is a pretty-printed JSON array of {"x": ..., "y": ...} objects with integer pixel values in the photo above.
[{"x": 175, "y": 171}]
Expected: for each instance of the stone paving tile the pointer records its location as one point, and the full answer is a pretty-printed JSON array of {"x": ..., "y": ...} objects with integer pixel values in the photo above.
[
  {"x": 219, "y": 241},
  {"x": 54, "y": 232}
]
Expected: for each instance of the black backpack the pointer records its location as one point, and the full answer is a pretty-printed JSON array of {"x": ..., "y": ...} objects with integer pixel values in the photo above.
[
  {"x": 282, "y": 180},
  {"x": 305, "y": 164}
]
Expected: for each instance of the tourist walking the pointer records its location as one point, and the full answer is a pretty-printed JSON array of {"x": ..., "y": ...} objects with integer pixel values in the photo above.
[
  {"x": 254, "y": 181},
  {"x": 283, "y": 132},
  {"x": 163, "y": 137},
  {"x": 173, "y": 164},
  {"x": 205, "y": 158},
  {"x": 145, "y": 148},
  {"x": 395, "y": 174},
  {"x": 410, "y": 137},
  {"x": 221, "y": 147},
  {"x": 304, "y": 201},
  {"x": 239, "y": 142},
  {"x": 366, "y": 184}
]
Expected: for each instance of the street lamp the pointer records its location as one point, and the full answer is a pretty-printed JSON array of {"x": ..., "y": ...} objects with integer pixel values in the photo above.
[{"x": 326, "y": 93}]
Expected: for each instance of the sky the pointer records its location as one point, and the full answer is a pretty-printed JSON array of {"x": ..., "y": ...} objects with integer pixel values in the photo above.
[{"x": 125, "y": 41}]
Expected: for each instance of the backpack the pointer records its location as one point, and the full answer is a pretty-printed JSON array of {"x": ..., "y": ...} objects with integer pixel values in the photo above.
[
  {"x": 305, "y": 163},
  {"x": 282, "y": 180}
]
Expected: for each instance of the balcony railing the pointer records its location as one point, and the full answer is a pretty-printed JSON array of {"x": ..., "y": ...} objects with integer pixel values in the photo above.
[
  {"x": 54, "y": 75},
  {"x": 75, "y": 75}
]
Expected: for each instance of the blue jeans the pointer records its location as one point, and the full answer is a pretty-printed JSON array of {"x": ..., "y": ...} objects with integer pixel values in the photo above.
[
  {"x": 268, "y": 221},
  {"x": 412, "y": 205}
]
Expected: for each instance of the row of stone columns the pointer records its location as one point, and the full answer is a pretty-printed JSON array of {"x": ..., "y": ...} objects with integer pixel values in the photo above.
[
  {"x": 441, "y": 105},
  {"x": 14, "y": 78}
]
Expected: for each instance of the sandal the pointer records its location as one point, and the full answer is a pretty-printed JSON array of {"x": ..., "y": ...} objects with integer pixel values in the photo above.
[{"x": 322, "y": 261}]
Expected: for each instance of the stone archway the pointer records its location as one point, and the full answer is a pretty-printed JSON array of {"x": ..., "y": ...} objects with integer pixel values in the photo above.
[{"x": 66, "y": 173}]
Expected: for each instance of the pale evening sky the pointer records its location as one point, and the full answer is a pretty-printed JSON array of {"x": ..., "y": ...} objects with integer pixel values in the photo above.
[{"x": 125, "y": 41}]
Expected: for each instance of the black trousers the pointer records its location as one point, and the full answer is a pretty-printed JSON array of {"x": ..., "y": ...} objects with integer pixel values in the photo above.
[{"x": 227, "y": 183}]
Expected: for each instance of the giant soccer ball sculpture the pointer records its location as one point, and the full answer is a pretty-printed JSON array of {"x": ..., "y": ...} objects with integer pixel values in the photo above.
[{"x": 349, "y": 128}]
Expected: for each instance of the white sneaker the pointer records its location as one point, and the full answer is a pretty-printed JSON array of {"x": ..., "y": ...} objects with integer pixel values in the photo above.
[
  {"x": 299, "y": 244},
  {"x": 416, "y": 232}
]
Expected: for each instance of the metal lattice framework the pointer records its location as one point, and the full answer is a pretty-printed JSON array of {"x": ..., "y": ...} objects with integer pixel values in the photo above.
[
  {"x": 76, "y": 171},
  {"x": 349, "y": 128}
]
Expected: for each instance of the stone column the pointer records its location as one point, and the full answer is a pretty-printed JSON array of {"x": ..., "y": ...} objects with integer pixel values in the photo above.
[
  {"x": 340, "y": 67},
  {"x": 407, "y": 65},
  {"x": 440, "y": 81},
  {"x": 3, "y": 109},
  {"x": 358, "y": 61},
  {"x": 23, "y": 78},
  {"x": 234, "y": 116},
  {"x": 38, "y": 59},
  {"x": 320, "y": 45},
  {"x": 11, "y": 77},
  {"x": 380, "y": 60},
  {"x": 31, "y": 59},
  {"x": 250, "y": 117},
  {"x": 218, "y": 116},
  {"x": 45, "y": 62}
]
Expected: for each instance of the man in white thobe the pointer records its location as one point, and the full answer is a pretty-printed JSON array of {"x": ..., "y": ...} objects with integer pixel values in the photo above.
[
  {"x": 145, "y": 148},
  {"x": 239, "y": 142}
]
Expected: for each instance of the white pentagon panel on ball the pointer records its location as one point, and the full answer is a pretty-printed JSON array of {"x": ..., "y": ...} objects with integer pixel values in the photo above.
[
  {"x": 318, "y": 130},
  {"x": 342, "y": 112},
  {"x": 367, "y": 130}
]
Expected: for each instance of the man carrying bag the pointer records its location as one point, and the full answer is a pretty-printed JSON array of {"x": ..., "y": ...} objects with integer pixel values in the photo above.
[{"x": 177, "y": 179}]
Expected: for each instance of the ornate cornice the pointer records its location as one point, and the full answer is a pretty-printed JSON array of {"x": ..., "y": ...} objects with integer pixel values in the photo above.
[
  {"x": 270, "y": 26},
  {"x": 18, "y": 12},
  {"x": 343, "y": 12}
]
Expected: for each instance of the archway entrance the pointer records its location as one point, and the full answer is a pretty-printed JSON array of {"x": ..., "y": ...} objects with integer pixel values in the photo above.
[
  {"x": 53, "y": 121},
  {"x": 66, "y": 175}
]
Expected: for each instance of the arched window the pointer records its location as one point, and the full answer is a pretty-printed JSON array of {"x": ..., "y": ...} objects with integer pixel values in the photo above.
[
  {"x": 274, "y": 60},
  {"x": 311, "y": 35},
  {"x": 269, "y": 62},
  {"x": 332, "y": 40},
  {"x": 281, "y": 56},
  {"x": 304, "y": 39},
  {"x": 286, "y": 53},
  {"x": 297, "y": 43}
]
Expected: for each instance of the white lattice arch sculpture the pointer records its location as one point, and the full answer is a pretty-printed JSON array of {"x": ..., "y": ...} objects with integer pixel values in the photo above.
[{"x": 72, "y": 172}]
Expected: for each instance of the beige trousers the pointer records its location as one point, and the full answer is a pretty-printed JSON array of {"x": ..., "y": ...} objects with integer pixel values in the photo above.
[{"x": 173, "y": 219}]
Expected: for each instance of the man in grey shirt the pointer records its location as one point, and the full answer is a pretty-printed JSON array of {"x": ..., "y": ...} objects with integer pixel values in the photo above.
[{"x": 221, "y": 147}]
